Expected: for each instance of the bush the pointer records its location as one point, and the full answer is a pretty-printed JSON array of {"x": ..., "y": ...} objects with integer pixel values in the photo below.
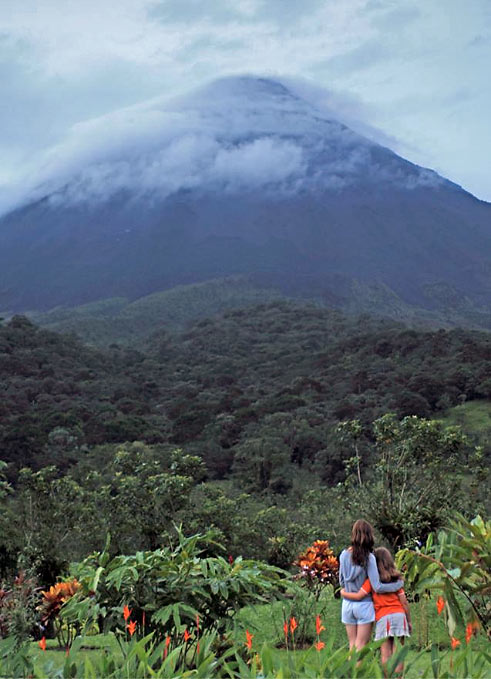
[{"x": 170, "y": 589}]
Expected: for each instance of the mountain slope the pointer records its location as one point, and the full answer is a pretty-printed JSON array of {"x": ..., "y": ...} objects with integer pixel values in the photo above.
[{"x": 242, "y": 177}]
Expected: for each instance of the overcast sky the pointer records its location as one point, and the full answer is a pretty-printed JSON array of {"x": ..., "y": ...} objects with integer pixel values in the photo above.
[{"x": 416, "y": 69}]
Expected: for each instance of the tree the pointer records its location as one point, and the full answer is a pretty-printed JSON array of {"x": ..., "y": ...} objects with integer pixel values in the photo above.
[{"x": 415, "y": 480}]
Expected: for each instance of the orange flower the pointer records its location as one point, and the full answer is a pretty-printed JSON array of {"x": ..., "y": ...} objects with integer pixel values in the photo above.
[
  {"x": 318, "y": 625},
  {"x": 293, "y": 625},
  {"x": 126, "y": 612},
  {"x": 319, "y": 645},
  {"x": 42, "y": 644},
  {"x": 471, "y": 629},
  {"x": 187, "y": 636},
  {"x": 55, "y": 597},
  {"x": 131, "y": 627},
  {"x": 454, "y": 643},
  {"x": 249, "y": 638},
  {"x": 285, "y": 628},
  {"x": 440, "y": 604},
  {"x": 166, "y": 647}
]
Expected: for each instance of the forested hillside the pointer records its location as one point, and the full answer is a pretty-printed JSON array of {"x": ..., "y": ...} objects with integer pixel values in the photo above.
[
  {"x": 282, "y": 371},
  {"x": 236, "y": 416}
]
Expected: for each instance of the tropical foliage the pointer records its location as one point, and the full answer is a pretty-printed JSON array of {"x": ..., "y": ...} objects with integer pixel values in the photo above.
[
  {"x": 454, "y": 566},
  {"x": 184, "y": 586}
]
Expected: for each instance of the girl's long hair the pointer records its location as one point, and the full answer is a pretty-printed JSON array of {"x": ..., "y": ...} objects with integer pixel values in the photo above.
[
  {"x": 362, "y": 542},
  {"x": 386, "y": 566}
]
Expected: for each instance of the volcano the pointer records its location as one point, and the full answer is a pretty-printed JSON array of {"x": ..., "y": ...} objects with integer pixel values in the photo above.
[{"x": 242, "y": 177}]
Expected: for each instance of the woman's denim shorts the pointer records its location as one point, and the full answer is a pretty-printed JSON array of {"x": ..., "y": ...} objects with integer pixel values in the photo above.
[{"x": 357, "y": 612}]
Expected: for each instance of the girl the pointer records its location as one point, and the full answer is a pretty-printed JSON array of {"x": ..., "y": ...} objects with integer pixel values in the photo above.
[
  {"x": 356, "y": 564},
  {"x": 392, "y": 615}
]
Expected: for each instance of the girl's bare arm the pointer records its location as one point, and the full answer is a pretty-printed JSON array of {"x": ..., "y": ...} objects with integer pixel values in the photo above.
[
  {"x": 354, "y": 596},
  {"x": 405, "y": 605}
]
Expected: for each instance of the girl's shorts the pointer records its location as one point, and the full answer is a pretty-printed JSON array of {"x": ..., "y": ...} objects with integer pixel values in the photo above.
[
  {"x": 392, "y": 625},
  {"x": 357, "y": 612}
]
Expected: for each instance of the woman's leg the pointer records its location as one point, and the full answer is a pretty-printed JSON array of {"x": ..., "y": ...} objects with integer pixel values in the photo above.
[
  {"x": 351, "y": 632},
  {"x": 363, "y": 634}
]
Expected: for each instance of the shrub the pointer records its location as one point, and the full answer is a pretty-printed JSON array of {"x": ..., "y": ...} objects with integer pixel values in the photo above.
[{"x": 172, "y": 588}]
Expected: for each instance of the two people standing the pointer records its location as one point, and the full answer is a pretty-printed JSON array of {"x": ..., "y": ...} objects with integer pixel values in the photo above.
[{"x": 372, "y": 591}]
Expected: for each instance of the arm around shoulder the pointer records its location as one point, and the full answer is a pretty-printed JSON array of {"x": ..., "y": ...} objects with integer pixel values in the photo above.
[{"x": 377, "y": 586}]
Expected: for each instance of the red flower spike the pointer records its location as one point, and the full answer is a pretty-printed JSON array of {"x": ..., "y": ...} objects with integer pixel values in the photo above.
[
  {"x": 318, "y": 625},
  {"x": 285, "y": 628},
  {"x": 440, "y": 604},
  {"x": 293, "y": 625},
  {"x": 126, "y": 612},
  {"x": 187, "y": 636},
  {"x": 143, "y": 619},
  {"x": 319, "y": 645},
  {"x": 454, "y": 643},
  {"x": 230, "y": 559},
  {"x": 166, "y": 647},
  {"x": 249, "y": 638},
  {"x": 42, "y": 644},
  {"x": 131, "y": 627},
  {"x": 197, "y": 647}
]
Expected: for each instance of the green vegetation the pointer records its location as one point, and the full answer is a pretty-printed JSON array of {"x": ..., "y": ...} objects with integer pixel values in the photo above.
[
  {"x": 183, "y": 478},
  {"x": 261, "y": 639},
  {"x": 474, "y": 418}
]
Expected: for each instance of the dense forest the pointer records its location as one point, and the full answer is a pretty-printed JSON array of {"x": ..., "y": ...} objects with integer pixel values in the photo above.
[{"x": 236, "y": 415}]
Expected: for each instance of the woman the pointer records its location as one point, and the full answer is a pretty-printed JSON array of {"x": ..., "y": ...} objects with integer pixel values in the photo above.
[{"x": 356, "y": 564}]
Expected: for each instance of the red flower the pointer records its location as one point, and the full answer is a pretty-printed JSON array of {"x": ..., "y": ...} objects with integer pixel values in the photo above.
[
  {"x": 440, "y": 604},
  {"x": 249, "y": 638},
  {"x": 187, "y": 636},
  {"x": 230, "y": 559},
  {"x": 293, "y": 625},
  {"x": 166, "y": 647},
  {"x": 42, "y": 644},
  {"x": 318, "y": 625},
  {"x": 285, "y": 629},
  {"x": 454, "y": 643},
  {"x": 126, "y": 613},
  {"x": 319, "y": 645},
  {"x": 131, "y": 627}
]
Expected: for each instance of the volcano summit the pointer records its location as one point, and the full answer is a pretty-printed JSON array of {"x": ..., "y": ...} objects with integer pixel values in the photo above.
[{"x": 240, "y": 177}]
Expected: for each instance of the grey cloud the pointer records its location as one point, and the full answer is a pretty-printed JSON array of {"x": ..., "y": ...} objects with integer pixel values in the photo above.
[{"x": 235, "y": 134}]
